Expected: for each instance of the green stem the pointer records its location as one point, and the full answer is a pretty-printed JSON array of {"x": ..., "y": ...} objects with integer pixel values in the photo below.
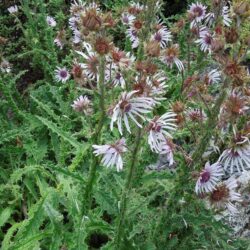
[
  {"x": 96, "y": 140},
  {"x": 126, "y": 191},
  {"x": 210, "y": 125}
]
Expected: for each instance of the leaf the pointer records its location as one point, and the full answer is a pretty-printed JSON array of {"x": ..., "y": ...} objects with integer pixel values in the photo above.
[
  {"x": 54, "y": 128},
  {"x": 4, "y": 216}
]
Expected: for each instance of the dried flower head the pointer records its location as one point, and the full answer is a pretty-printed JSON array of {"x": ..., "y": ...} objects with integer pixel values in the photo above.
[
  {"x": 102, "y": 46},
  {"x": 91, "y": 20}
]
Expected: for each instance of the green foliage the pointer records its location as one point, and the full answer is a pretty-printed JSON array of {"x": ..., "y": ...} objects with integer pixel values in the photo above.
[{"x": 45, "y": 157}]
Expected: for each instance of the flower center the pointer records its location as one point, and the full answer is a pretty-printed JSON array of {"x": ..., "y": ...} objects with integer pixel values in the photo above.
[
  {"x": 158, "y": 37},
  {"x": 208, "y": 39},
  {"x": 205, "y": 177},
  {"x": 221, "y": 193},
  {"x": 125, "y": 106},
  {"x": 197, "y": 11},
  {"x": 63, "y": 73}
]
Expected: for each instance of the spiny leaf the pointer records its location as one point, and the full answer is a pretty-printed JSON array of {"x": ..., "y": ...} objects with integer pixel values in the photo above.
[{"x": 54, "y": 128}]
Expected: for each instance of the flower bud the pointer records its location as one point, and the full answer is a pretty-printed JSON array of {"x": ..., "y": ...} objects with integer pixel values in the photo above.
[
  {"x": 102, "y": 46},
  {"x": 178, "y": 107},
  {"x": 153, "y": 49},
  {"x": 91, "y": 21},
  {"x": 231, "y": 35}
]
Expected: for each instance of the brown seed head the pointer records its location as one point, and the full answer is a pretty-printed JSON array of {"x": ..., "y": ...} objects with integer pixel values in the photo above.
[
  {"x": 91, "y": 20},
  {"x": 102, "y": 46}
]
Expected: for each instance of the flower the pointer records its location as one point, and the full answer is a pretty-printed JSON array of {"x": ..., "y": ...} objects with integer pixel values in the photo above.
[
  {"x": 235, "y": 105},
  {"x": 224, "y": 194},
  {"x": 237, "y": 157},
  {"x": 91, "y": 64},
  {"x": 136, "y": 8},
  {"x": 214, "y": 76},
  {"x": 127, "y": 18},
  {"x": 131, "y": 107},
  {"x": 132, "y": 34},
  {"x": 118, "y": 80},
  {"x": 73, "y": 22},
  {"x": 13, "y": 9},
  {"x": 159, "y": 128},
  {"x": 167, "y": 148},
  {"x": 209, "y": 178},
  {"x": 5, "y": 66},
  {"x": 209, "y": 19},
  {"x": 162, "y": 36},
  {"x": 62, "y": 74},
  {"x": 197, "y": 13},
  {"x": 112, "y": 153},
  {"x": 170, "y": 57},
  {"x": 120, "y": 58},
  {"x": 196, "y": 115},
  {"x": 51, "y": 21},
  {"x": 83, "y": 104},
  {"x": 225, "y": 15},
  {"x": 151, "y": 86},
  {"x": 205, "y": 41},
  {"x": 77, "y": 36},
  {"x": 60, "y": 39}
]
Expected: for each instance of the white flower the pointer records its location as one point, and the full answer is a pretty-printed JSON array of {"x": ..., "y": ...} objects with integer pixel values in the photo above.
[
  {"x": 120, "y": 58},
  {"x": 167, "y": 148},
  {"x": 83, "y": 104},
  {"x": 77, "y": 36},
  {"x": 127, "y": 18},
  {"x": 157, "y": 85},
  {"x": 91, "y": 63},
  {"x": 137, "y": 7},
  {"x": 51, "y": 21},
  {"x": 209, "y": 19},
  {"x": 112, "y": 153},
  {"x": 130, "y": 107},
  {"x": 197, "y": 12},
  {"x": 159, "y": 128},
  {"x": 237, "y": 158},
  {"x": 170, "y": 57},
  {"x": 162, "y": 36},
  {"x": 5, "y": 66},
  {"x": 73, "y": 22},
  {"x": 225, "y": 15},
  {"x": 62, "y": 74},
  {"x": 224, "y": 194},
  {"x": 118, "y": 80},
  {"x": 214, "y": 76},
  {"x": 209, "y": 178},
  {"x": 13, "y": 9},
  {"x": 132, "y": 34},
  {"x": 205, "y": 41}
]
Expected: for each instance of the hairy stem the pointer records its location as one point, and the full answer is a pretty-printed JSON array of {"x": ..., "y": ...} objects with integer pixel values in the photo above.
[
  {"x": 126, "y": 191},
  {"x": 96, "y": 140},
  {"x": 210, "y": 125}
]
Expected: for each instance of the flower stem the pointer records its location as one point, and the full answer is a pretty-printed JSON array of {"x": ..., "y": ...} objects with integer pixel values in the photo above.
[
  {"x": 96, "y": 140},
  {"x": 210, "y": 125},
  {"x": 126, "y": 191}
]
